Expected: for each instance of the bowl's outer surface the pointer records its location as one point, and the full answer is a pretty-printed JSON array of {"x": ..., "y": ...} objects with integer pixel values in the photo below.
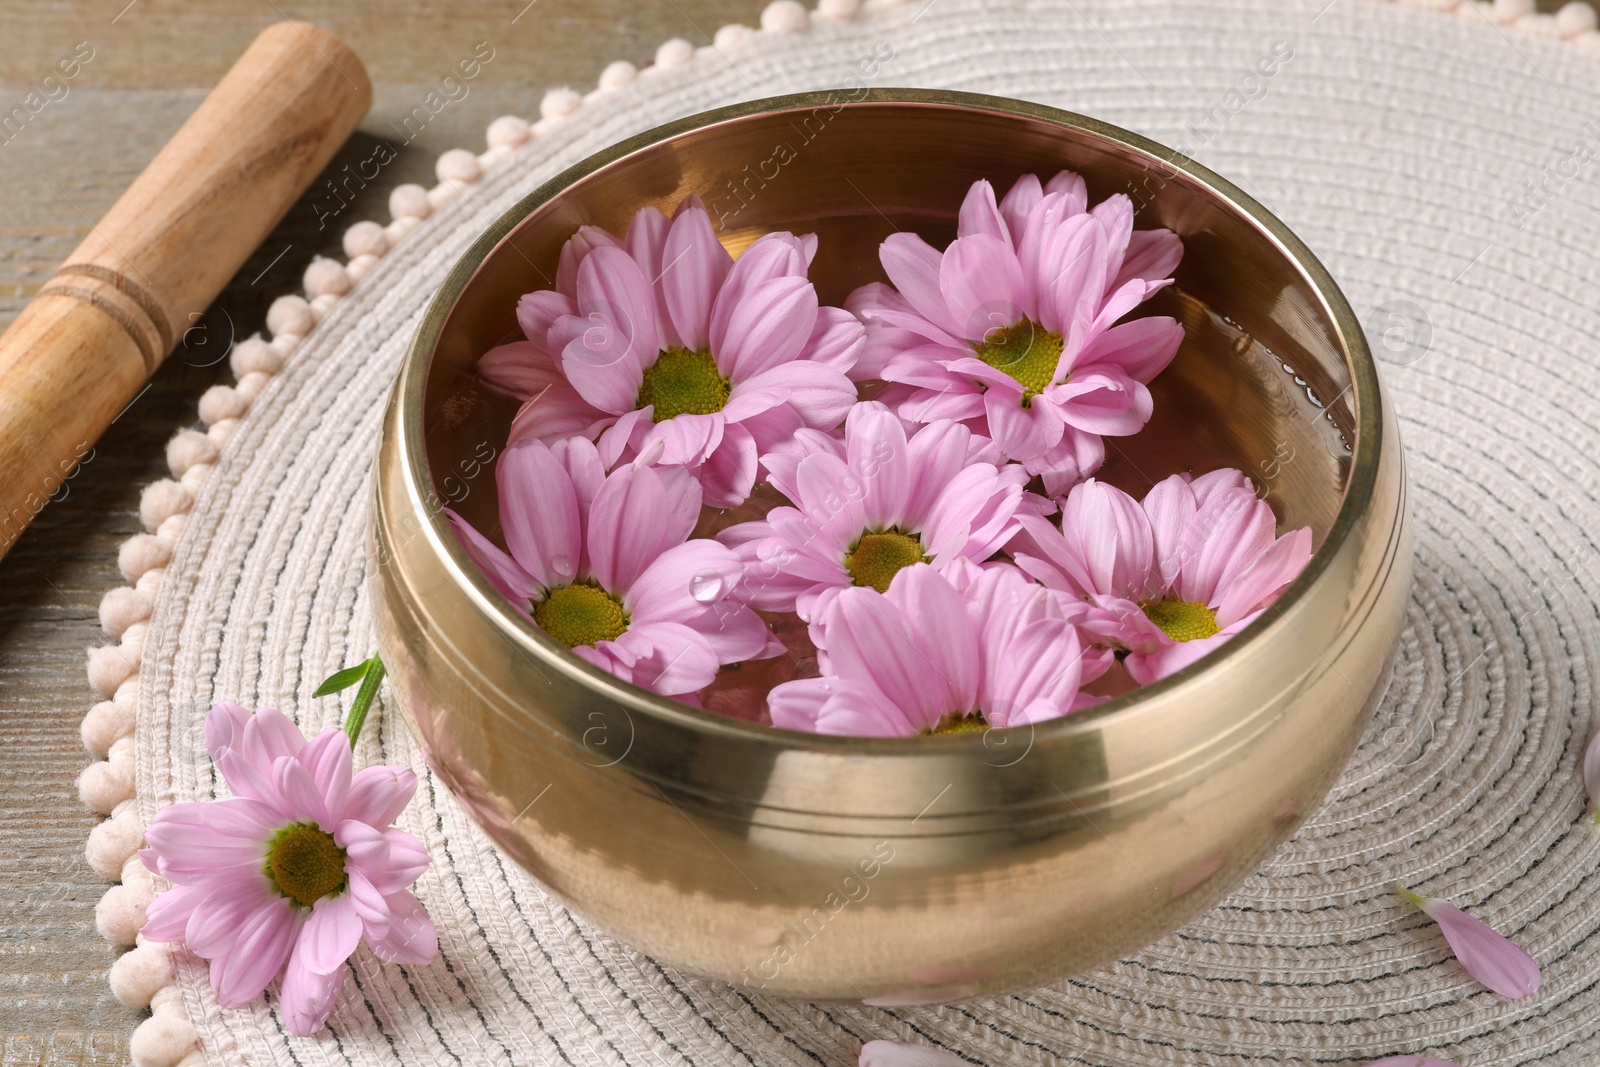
[{"x": 934, "y": 869}]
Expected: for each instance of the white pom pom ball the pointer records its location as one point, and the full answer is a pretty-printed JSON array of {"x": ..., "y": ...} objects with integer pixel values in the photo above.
[
  {"x": 1575, "y": 18},
  {"x": 104, "y": 784},
  {"x": 325, "y": 275},
  {"x": 190, "y": 447},
  {"x": 196, "y": 1058},
  {"x": 141, "y": 553},
  {"x": 162, "y": 1040},
  {"x": 443, "y": 193},
  {"x": 141, "y": 974},
  {"x": 194, "y": 479},
  {"x": 1505, "y": 12},
  {"x": 365, "y": 239},
  {"x": 361, "y": 266},
  {"x": 160, "y": 501},
  {"x": 457, "y": 165},
  {"x": 400, "y": 227},
  {"x": 221, "y": 432},
  {"x": 167, "y": 1000},
  {"x": 106, "y": 723},
  {"x": 618, "y": 74},
  {"x": 508, "y": 131},
  {"x": 121, "y": 607},
  {"x": 290, "y": 314},
  {"x": 674, "y": 53},
  {"x": 250, "y": 385},
  {"x": 559, "y": 102},
  {"x": 731, "y": 35},
  {"x": 784, "y": 16},
  {"x": 409, "y": 201},
  {"x": 112, "y": 842},
  {"x": 254, "y": 354},
  {"x": 221, "y": 402},
  {"x": 109, "y": 667},
  {"x": 118, "y": 916}
]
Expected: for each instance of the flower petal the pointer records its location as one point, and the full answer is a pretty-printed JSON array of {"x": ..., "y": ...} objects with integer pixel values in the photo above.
[
  {"x": 612, "y": 288},
  {"x": 1488, "y": 956},
  {"x": 224, "y": 726},
  {"x": 299, "y": 796},
  {"x": 646, "y": 243},
  {"x": 327, "y": 756},
  {"x": 307, "y": 998},
  {"x": 837, "y": 340},
  {"x": 980, "y": 214},
  {"x": 672, "y": 658},
  {"x": 536, "y": 313},
  {"x": 330, "y": 934},
  {"x": 169, "y": 914},
  {"x": 982, "y": 285},
  {"x": 694, "y": 268},
  {"x": 503, "y": 572},
  {"x": 202, "y": 841},
  {"x": 411, "y": 937},
  {"x": 913, "y": 266},
  {"x": 767, "y": 326},
  {"x": 576, "y": 250},
  {"x": 683, "y": 580},
  {"x": 539, "y": 513},
  {"x": 631, "y": 523},
  {"x": 379, "y": 794},
  {"x": 257, "y": 953},
  {"x": 1591, "y": 771},
  {"x": 729, "y": 473},
  {"x": 1259, "y": 584},
  {"x": 554, "y": 413},
  {"x": 903, "y": 1054}
]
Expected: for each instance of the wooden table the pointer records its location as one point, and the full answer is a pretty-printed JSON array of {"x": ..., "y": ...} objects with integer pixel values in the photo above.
[{"x": 153, "y": 62}]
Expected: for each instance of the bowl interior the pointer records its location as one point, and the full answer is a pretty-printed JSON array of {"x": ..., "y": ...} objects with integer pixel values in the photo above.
[{"x": 1260, "y": 383}]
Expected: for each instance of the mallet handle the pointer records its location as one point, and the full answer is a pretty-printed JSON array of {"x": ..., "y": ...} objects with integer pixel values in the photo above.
[{"x": 97, "y": 330}]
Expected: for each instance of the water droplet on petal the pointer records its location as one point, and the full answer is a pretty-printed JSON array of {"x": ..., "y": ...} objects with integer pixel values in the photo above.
[
  {"x": 707, "y": 587},
  {"x": 563, "y": 568}
]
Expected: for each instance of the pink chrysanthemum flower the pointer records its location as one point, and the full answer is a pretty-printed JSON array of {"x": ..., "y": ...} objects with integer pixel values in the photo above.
[
  {"x": 662, "y": 346},
  {"x": 1013, "y": 327},
  {"x": 872, "y": 503},
  {"x": 932, "y": 656},
  {"x": 293, "y": 870},
  {"x": 1175, "y": 576},
  {"x": 604, "y": 564}
]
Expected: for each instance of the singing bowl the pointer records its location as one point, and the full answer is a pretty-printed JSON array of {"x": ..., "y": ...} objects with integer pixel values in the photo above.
[{"x": 924, "y": 869}]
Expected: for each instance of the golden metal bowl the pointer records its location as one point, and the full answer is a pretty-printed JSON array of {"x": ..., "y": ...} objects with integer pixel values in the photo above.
[{"x": 929, "y": 869}]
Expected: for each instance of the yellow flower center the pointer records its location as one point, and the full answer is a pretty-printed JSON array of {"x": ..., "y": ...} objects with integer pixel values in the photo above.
[
  {"x": 683, "y": 381},
  {"x": 581, "y": 614},
  {"x": 305, "y": 864},
  {"x": 1181, "y": 620},
  {"x": 878, "y": 557},
  {"x": 1026, "y": 351},
  {"x": 958, "y": 722}
]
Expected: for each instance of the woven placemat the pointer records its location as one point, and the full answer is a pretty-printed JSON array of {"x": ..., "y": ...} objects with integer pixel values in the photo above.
[{"x": 1441, "y": 168}]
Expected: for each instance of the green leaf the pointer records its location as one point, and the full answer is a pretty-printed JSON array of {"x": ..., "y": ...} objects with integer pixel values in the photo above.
[{"x": 344, "y": 679}]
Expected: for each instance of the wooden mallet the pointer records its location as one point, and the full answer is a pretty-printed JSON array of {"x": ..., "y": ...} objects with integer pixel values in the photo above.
[{"x": 96, "y": 331}]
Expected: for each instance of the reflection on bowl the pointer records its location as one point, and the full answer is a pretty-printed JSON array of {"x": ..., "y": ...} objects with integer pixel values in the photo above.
[{"x": 908, "y": 870}]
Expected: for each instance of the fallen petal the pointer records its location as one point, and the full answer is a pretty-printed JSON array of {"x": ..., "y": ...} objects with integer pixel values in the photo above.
[
  {"x": 902, "y": 1054},
  {"x": 1591, "y": 776},
  {"x": 1488, "y": 956}
]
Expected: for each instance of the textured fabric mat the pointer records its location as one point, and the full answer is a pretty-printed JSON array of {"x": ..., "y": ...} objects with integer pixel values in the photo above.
[{"x": 1396, "y": 142}]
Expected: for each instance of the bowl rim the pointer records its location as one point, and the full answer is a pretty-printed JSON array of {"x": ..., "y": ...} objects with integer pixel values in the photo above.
[{"x": 411, "y": 387}]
